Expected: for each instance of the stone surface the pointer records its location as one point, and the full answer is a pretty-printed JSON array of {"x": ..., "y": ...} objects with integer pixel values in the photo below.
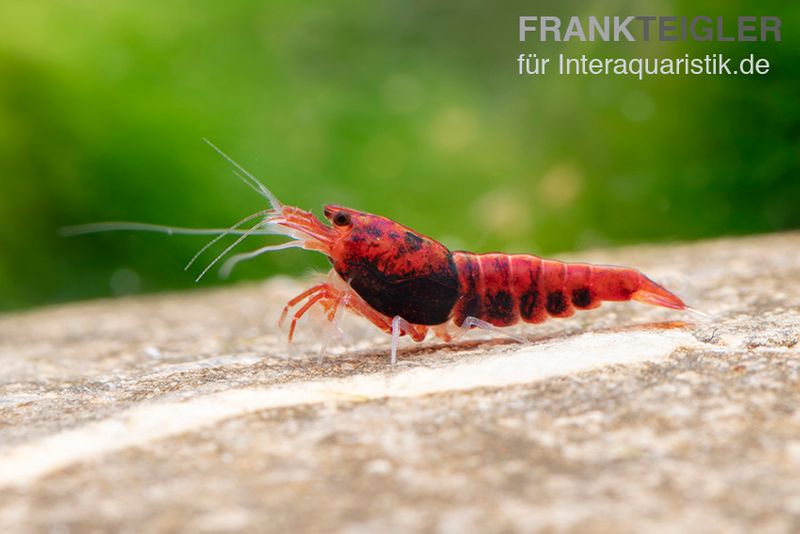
[{"x": 190, "y": 412}]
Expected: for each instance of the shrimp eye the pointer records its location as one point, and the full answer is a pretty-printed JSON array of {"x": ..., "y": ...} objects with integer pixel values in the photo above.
[{"x": 341, "y": 219}]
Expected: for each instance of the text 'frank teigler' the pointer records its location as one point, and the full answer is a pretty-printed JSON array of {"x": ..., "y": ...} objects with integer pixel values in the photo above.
[{"x": 649, "y": 28}]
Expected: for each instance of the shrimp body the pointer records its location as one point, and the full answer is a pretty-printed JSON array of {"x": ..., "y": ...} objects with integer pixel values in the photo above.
[{"x": 406, "y": 283}]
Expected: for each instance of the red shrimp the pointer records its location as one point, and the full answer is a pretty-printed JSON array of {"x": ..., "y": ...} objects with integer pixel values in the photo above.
[{"x": 406, "y": 283}]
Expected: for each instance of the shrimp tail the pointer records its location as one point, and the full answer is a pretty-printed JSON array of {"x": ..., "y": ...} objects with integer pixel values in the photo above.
[
  {"x": 650, "y": 292},
  {"x": 502, "y": 289},
  {"x": 623, "y": 283}
]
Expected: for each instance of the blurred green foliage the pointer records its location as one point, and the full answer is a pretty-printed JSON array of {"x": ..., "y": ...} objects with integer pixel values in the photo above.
[{"x": 407, "y": 108}]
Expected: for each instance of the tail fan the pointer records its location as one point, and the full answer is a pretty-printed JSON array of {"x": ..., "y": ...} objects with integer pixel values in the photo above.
[{"x": 650, "y": 292}]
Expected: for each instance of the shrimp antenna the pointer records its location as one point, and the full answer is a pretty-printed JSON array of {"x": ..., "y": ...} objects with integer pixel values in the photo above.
[
  {"x": 230, "y": 247},
  {"x": 262, "y": 213},
  {"x": 250, "y": 184},
  {"x": 703, "y": 315},
  {"x": 228, "y": 266},
  {"x": 93, "y": 228},
  {"x": 254, "y": 183}
]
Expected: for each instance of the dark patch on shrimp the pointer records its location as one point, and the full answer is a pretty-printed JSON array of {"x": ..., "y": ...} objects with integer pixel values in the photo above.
[
  {"x": 556, "y": 303},
  {"x": 528, "y": 302},
  {"x": 427, "y": 299},
  {"x": 413, "y": 242},
  {"x": 471, "y": 308},
  {"x": 581, "y": 297},
  {"x": 501, "y": 308},
  {"x": 373, "y": 231}
]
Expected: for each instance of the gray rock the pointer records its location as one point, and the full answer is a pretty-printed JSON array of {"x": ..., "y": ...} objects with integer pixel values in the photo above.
[{"x": 190, "y": 412}]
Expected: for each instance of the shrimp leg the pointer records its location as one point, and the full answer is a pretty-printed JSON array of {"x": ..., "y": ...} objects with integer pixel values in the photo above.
[
  {"x": 332, "y": 298},
  {"x": 445, "y": 334}
]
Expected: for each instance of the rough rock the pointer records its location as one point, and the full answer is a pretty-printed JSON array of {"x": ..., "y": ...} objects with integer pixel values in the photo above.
[{"x": 191, "y": 412}]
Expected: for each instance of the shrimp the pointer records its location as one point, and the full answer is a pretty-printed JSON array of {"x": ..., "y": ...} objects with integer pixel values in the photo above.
[{"x": 406, "y": 283}]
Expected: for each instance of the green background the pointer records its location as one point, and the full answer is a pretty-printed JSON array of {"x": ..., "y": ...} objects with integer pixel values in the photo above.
[{"x": 411, "y": 109}]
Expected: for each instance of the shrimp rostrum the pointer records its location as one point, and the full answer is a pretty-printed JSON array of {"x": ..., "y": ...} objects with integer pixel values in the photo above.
[{"x": 406, "y": 283}]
